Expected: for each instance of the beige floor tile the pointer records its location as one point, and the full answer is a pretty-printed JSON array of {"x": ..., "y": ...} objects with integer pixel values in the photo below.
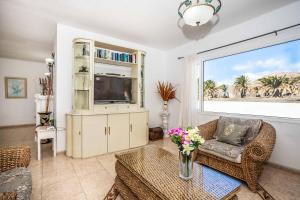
[
  {"x": 108, "y": 157},
  {"x": 108, "y": 162},
  {"x": 37, "y": 183},
  {"x": 36, "y": 194},
  {"x": 84, "y": 167},
  {"x": 36, "y": 169},
  {"x": 97, "y": 193},
  {"x": 112, "y": 171},
  {"x": 245, "y": 193},
  {"x": 97, "y": 185},
  {"x": 57, "y": 163},
  {"x": 273, "y": 180},
  {"x": 81, "y": 196},
  {"x": 57, "y": 175},
  {"x": 64, "y": 190},
  {"x": 34, "y": 161},
  {"x": 109, "y": 166}
]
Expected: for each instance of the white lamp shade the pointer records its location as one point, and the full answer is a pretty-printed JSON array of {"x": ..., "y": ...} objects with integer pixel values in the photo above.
[{"x": 198, "y": 15}]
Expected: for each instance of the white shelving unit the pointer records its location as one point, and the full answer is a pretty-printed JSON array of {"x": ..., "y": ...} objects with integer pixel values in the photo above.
[{"x": 94, "y": 129}]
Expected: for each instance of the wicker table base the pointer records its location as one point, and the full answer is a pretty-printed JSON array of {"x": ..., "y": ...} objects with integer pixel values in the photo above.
[
  {"x": 127, "y": 194},
  {"x": 124, "y": 191},
  {"x": 152, "y": 173}
]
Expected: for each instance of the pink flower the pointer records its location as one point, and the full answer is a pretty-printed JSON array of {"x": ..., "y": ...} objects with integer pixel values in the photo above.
[
  {"x": 186, "y": 139},
  {"x": 175, "y": 131},
  {"x": 187, "y": 142}
]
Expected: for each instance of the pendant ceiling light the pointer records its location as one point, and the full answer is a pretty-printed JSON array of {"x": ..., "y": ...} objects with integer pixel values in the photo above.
[{"x": 198, "y": 12}]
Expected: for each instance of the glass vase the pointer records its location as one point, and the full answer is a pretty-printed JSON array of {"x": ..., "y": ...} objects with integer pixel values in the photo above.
[{"x": 185, "y": 165}]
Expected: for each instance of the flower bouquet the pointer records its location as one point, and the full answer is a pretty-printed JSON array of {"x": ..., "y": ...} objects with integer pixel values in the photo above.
[{"x": 187, "y": 141}]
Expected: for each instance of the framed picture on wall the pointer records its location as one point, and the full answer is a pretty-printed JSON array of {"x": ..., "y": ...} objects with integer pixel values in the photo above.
[{"x": 15, "y": 87}]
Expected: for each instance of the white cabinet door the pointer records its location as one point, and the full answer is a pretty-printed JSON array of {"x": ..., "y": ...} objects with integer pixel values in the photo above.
[
  {"x": 118, "y": 132},
  {"x": 76, "y": 136},
  {"x": 94, "y": 138},
  {"x": 69, "y": 149},
  {"x": 138, "y": 129}
]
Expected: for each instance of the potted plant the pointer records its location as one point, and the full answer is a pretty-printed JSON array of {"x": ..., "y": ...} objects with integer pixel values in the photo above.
[{"x": 47, "y": 89}]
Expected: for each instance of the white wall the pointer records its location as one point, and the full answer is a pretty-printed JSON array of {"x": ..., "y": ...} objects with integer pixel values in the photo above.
[
  {"x": 282, "y": 110},
  {"x": 154, "y": 70},
  {"x": 286, "y": 149},
  {"x": 19, "y": 111}
]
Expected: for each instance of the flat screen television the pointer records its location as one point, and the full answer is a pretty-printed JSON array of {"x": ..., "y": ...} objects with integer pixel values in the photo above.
[{"x": 112, "y": 89}]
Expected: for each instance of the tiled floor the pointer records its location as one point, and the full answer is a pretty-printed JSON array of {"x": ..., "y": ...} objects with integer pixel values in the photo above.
[{"x": 63, "y": 178}]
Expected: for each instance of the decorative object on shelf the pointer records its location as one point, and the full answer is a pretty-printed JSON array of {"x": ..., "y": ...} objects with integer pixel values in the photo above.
[
  {"x": 47, "y": 85},
  {"x": 167, "y": 92},
  {"x": 85, "y": 50},
  {"x": 83, "y": 69},
  {"x": 15, "y": 88},
  {"x": 187, "y": 141},
  {"x": 156, "y": 133},
  {"x": 198, "y": 12}
]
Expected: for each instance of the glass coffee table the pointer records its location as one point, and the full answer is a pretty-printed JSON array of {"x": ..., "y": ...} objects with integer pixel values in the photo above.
[{"x": 152, "y": 173}]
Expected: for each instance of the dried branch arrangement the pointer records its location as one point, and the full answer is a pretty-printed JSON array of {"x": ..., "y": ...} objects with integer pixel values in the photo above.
[
  {"x": 166, "y": 90},
  {"x": 43, "y": 85},
  {"x": 49, "y": 90}
]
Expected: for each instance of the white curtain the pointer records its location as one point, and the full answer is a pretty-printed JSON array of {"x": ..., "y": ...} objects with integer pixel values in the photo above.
[{"x": 189, "y": 109}]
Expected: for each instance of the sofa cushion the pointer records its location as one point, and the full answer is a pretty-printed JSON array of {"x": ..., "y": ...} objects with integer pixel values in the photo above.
[
  {"x": 233, "y": 134},
  {"x": 252, "y": 132},
  {"x": 223, "y": 150},
  {"x": 16, "y": 180}
]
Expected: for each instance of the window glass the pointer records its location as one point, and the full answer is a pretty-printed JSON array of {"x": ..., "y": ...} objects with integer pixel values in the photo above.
[{"x": 264, "y": 81}]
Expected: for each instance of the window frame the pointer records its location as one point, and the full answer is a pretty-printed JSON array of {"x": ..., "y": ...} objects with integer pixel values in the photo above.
[{"x": 248, "y": 46}]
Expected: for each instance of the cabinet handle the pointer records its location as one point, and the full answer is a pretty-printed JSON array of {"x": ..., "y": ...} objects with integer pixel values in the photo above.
[
  {"x": 130, "y": 127},
  {"x": 105, "y": 130},
  {"x": 109, "y": 130},
  {"x": 79, "y": 132}
]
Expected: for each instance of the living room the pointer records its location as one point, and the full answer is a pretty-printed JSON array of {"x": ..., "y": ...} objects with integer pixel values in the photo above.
[{"x": 149, "y": 99}]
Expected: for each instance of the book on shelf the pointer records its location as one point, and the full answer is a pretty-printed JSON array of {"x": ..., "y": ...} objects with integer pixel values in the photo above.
[{"x": 115, "y": 55}]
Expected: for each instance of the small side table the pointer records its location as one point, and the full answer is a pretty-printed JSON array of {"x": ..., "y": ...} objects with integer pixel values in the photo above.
[{"x": 45, "y": 132}]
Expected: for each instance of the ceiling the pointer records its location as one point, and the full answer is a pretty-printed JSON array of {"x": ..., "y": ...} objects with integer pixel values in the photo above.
[{"x": 27, "y": 27}]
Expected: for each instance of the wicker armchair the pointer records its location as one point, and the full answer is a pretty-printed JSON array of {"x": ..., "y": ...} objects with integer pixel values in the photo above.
[
  {"x": 12, "y": 157},
  {"x": 254, "y": 155}
]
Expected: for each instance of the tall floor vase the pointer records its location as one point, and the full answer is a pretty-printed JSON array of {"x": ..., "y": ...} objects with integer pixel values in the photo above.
[{"x": 165, "y": 117}]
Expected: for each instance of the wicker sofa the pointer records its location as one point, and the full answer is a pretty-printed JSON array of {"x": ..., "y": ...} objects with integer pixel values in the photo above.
[
  {"x": 13, "y": 172},
  {"x": 253, "y": 156}
]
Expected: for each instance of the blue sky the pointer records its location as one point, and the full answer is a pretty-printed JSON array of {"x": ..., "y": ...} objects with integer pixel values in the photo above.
[{"x": 254, "y": 64}]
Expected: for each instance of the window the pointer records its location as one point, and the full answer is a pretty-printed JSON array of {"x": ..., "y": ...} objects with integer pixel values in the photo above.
[{"x": 264, "y": 81}]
